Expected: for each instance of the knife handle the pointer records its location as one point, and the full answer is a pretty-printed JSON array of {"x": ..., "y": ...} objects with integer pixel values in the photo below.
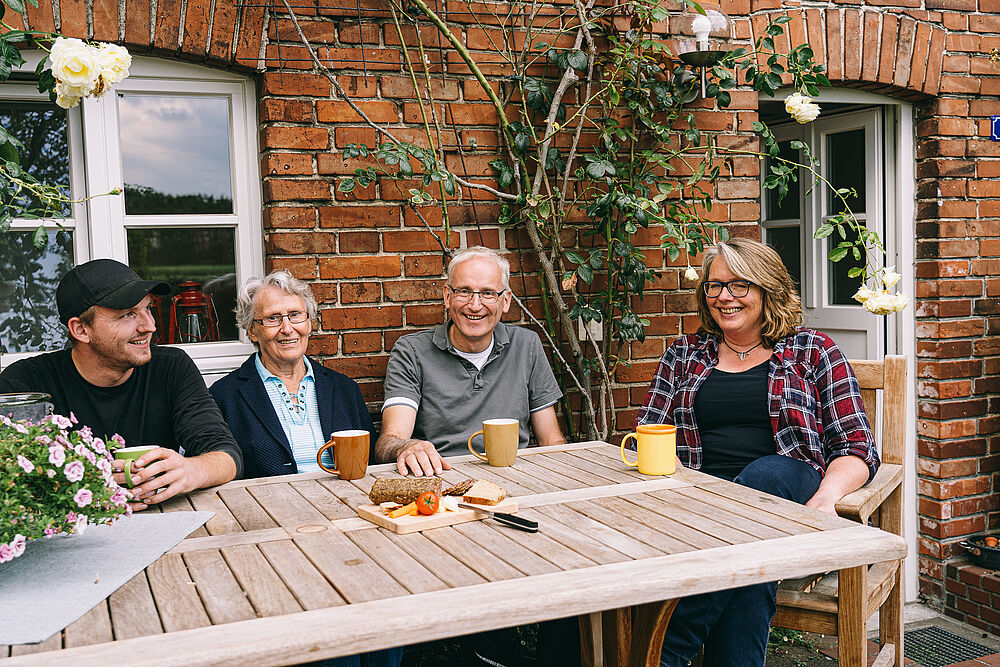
[{"x": 515, "y": 521}]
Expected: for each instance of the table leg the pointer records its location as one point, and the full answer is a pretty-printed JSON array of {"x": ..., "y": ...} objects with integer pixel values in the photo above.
[
  {"x": 852, "y": 637},
  {"x": 605, "y": 637},
  {"x": 648, "y": 628}
]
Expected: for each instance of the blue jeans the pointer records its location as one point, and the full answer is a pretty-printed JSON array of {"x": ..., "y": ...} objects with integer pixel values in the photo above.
[
  {"x": 733, "y": 625},
  {"x": 390, "y": 657}
]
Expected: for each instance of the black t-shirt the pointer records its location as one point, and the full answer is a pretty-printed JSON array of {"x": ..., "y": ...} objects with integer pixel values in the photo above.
[
  {"x": 163, "y": 403},
  {"x": 734, "y": 422}
]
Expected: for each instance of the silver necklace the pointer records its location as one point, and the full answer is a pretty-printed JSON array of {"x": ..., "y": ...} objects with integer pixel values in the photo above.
[{"x": 742, "y": 355}]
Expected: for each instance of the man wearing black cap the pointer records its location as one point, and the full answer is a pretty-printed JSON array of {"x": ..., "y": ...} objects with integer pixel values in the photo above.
[{"x": 114, "y": 381}]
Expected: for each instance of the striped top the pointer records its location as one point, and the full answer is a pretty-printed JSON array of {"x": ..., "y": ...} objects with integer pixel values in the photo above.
[{"x": 300, "y": 421}]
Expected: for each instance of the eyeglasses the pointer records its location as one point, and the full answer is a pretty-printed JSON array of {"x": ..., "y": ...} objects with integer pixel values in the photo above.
[
  {"x": 464, "y": 295},
  {"x": 737, "y": 288},
  {"x": 294, "y": 317}
]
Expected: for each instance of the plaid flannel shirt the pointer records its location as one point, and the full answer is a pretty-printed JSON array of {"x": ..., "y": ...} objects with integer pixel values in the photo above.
[{"x": 814, "y": 399}]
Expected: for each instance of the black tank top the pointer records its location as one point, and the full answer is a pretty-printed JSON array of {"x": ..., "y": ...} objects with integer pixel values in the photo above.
[{"x": 731, "y": 410}]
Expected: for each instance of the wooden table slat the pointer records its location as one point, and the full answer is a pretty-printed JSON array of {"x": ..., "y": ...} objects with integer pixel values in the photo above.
[
  {"x": 506, "y": 547},
  {"x": 529, "y": 475},
  {"x": 230, "y": 540},
  {"x": 573, "y": 538},
  {"x": 175, "y": 594},
  {"x": 393, "y": 559},
  {"x": 612, "y": 518},
  {"x": 666, "y": 526},
  {"x": 221, "y": 594},
  {"x": 265, "y": 589},
  {"x": 53, "y": 643},
  {"x": 472, "y": 554},
  {"x": 513, "y": 489},
  {"x": 223, "y": 521},
  {"x": 289, "y": 509},
  {"x": 450, "y": 570},
  {"x": 779, "y": 506},
  {"x": 346, "y": 492},
  {"x": 542, "y": 544},
  {"x": 246, "y": 510},
  {"x": 572, "y": 466},
  {"x": 352, "y": 572},
  {"x": 306, "y": 583},
  {"x": 685, "y": 521},
  {"x": 707, "y": 511},
  {"x": 320, "y": 497},
  {"x": 529, "y": 465},
  {"x": 182, "y": 504},
  {"x": 94, "y": 627},
  {"x": 611, "y": 462},
  {"x": 620, "y": 541},
  {"x": 133, "y": 612},
  {"x": 741, "y": 509}
]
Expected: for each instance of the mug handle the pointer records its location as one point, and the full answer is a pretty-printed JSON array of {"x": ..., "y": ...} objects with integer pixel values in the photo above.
[
  {"x": 483, "y": 455},
  {"x": 319, "y": 457},
  {"x": 128, "y": 473},
  {"x": 627, "y": 462}
]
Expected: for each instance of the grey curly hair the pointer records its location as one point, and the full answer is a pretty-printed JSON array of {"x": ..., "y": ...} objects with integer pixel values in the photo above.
[{"x": 281, "y": 279}]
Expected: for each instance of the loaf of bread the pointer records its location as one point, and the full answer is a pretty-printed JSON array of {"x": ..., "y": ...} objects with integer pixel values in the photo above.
[
  {"x": 484, "y": 492},
  {"x": 402, "y": 490}
]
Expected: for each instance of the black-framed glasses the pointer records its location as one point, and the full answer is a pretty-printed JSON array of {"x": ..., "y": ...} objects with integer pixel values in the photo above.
[
  {"x": 737, "y": 288},
  {"x": 464, "y": 295},
  {"x": 294, "y": 317}
]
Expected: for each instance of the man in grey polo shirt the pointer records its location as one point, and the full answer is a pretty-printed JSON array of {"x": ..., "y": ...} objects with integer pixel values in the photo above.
[{"x": 442, "y": 383}]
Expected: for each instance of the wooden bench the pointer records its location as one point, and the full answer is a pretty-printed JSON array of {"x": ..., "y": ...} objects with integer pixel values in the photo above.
[{"x": 815, "y": 606}]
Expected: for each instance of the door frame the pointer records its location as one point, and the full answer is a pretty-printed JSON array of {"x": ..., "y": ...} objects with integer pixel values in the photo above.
[{"x": 900, "y": 202}]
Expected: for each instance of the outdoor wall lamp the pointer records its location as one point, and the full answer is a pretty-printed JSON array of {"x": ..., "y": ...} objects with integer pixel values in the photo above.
[{"x": 704, "y": 39}]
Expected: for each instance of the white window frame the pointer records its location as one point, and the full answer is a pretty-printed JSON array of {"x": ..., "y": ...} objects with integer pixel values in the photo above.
[{"x": 100, "y": 223}]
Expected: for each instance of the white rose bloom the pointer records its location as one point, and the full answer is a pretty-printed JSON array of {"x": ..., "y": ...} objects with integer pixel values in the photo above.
[
  {"x": 880, "y": 303},
  {"x": 801, "y": 108},
  {"x": 900, "y": 301},
  {"x": 890, "y": 277},
  {"x": 863, "y": 294},
  {"x": 75, "y": 64},
  {"x": 115, "y": 61},
  {"x": 691, "y": 273},
  {"x": 68, "y": 96}
]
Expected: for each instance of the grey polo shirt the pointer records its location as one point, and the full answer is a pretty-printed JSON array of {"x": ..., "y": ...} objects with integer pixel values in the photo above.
[{"x": 453, "y": 397}]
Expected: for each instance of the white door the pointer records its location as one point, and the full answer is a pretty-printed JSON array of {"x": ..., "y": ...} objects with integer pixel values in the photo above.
[{"x": 854, "y": 152}]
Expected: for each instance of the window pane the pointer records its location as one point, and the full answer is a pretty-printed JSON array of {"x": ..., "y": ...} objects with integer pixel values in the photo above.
[
  {"x": 788, "y": 209},
  {"x": 41, "y": 127},
  {"x": 29, "y": 321},
  {"x": 846, "y": 168},
  {"x": 206, "y": 257},
  {"x": 843, "y": 287},
  {"x": 786, "y": 241},
  {"x": 175, "y": 154}
]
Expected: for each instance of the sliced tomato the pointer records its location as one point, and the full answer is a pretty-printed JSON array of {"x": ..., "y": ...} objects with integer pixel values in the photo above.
[{"x": 428, "y": 502}]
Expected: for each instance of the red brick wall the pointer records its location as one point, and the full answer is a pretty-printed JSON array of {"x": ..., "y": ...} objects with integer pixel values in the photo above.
[{"x": 377, "y": 272}]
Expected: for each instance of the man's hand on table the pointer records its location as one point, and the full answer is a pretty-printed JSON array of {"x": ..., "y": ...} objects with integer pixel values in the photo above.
[
  {"x": 421, "y": 458},
  {"x": 171, "y": 473}
]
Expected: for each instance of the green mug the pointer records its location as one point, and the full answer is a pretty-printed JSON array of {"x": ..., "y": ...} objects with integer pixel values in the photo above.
[{"x": 130, "y": 454}]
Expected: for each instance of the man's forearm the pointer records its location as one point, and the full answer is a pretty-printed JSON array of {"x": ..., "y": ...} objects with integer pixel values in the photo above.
[
  {"x": 215, "y": 468},
  {"x": 388, "y": 446}
]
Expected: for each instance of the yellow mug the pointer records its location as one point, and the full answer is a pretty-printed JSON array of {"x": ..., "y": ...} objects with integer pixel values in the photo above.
[{"x": 657, "y": 444}]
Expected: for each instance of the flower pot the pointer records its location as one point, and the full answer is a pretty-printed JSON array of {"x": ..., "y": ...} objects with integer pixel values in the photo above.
[{"x": 30, "y": 406}]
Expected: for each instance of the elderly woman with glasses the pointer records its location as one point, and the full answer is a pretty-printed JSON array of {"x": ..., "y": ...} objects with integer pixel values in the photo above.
[
  {"x": 762, "y": 401},
  {"x": 281, "y": 405}
]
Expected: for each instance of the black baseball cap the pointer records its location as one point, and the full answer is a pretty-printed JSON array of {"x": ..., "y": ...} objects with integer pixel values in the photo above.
[{"x": 103, "y": 282}]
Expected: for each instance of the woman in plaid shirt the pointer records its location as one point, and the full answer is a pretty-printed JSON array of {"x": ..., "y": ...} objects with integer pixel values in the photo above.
[{"x": 762, "y": 401}]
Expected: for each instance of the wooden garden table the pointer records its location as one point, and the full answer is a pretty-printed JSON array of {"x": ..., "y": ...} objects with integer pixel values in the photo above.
[{"x": 286, "y": 572}]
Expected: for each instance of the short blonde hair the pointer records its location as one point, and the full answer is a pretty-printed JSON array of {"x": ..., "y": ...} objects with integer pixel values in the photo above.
[{"x": 749, "y": 260}]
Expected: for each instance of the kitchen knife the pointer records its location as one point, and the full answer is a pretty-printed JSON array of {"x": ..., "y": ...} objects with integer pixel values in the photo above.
[{"x": 511, "y": 520}]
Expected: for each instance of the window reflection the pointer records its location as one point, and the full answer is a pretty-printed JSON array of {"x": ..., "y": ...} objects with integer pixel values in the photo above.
[
  {"x": 788, "y": 209},
  {"x": 842, "y": 286},
  {"x": 29, "y": 321},
  {"x": 200, "y": 265},
  {"x": 41, "y": 127},
  {"x": 786, "y": 241},
  {"x": 846, "y": 168},
  {"x": 175, "y": 154}
]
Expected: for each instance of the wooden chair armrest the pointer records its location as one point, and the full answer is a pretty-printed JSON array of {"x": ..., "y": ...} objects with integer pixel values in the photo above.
[{"x": 860, "y": 504}]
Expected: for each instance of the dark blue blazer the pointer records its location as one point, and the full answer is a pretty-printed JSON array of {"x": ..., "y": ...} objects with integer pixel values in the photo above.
[{"x": 251, "y": 417}]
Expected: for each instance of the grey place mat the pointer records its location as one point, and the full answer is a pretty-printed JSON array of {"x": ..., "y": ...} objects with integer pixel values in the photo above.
[{"x": 58, "y": 580}]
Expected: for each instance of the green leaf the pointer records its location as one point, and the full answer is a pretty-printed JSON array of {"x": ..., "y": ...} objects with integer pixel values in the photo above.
[
  {"x": 40, "y": 239},
  {"x": 16, "y": 5},
  {"x": 347, "y": 185},
  {"x": 449, "y": 186},
  {"x": 522, "y": 142},
  {"x": 577, "y": 60},
  {"x": 773, "y": 81},
  {"x": 824, "y": 231},
  {"x": 723, "y": 98},
  {"x": 838, "y": 254},
  {"x": 585, "y": 273},
  {"x": 574, "y": 257}
]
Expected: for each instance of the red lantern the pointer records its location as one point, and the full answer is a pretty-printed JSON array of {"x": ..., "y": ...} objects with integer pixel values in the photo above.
[{"x": 192, "y": 315}]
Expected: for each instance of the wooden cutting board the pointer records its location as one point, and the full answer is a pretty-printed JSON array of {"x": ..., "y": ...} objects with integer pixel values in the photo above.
[{"x": 441, "y": 518}]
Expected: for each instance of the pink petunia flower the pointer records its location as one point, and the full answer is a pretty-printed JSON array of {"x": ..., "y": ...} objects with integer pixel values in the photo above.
[
  {"x": 83, "y": 497},
  {"x": 99, "y": 446},
  {"x": 21, "y": 428},
  {"x": 60, "y": 421},
  {"x": 71, "y": 517},
  {"x": 118, "y": 440},
  {"x": 49, "y": 532},
  {"x": 81, "y": 525},
  {"x": 74, "y": 471},
  {"x": 18, "y": 544},
  {"x": 26, "y": 465},
  {"x": 43, "y": 439},
  {"x": 57, "y": 455},
  {"x": 6, "y": 553},
  {"x": 72, "y": 417},
  {"x": 119, "y": 497}
]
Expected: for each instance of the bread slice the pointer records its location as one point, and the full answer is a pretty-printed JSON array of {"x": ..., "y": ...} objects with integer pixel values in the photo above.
[{"x": 484, "y": 492}]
